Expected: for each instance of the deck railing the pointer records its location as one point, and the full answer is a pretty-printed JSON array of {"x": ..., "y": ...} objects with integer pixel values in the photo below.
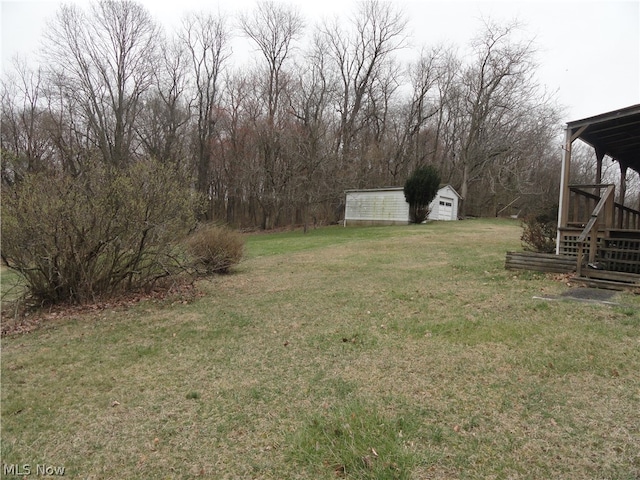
[
  {"x": 582, "y": 201},
  {"x": 626, "y": 218}
]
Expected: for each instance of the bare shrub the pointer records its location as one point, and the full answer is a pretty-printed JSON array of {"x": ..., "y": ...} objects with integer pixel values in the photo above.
[
  {"x": 103, "y": 232},
  {"x": 539, "y": 233},
  {"x": 215, "y": 248}
]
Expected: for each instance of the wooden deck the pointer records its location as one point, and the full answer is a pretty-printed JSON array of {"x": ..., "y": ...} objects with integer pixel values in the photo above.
[
  {"x": 603, "y": 237},
  {"x": 601, "y": 243},
  {"x": 596, "y": 221}
]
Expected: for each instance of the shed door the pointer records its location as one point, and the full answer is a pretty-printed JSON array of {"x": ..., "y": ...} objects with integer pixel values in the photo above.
[{"x": 445, "y": 209}]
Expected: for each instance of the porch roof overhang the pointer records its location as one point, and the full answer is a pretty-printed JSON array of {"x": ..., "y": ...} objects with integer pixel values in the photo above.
[{"x": 616, "y": 134}]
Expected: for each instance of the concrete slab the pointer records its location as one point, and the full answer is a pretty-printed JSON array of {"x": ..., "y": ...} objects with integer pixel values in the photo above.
[{"x": 587, "y": 295}]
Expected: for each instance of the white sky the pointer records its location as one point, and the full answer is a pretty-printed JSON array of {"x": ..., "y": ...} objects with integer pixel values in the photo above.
[{"x": 589, "y": 51}]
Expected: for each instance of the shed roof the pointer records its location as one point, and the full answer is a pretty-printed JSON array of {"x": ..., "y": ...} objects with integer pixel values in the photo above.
[
  {"x": 616, "y": 134},
  {"x": 397, "y": 189},
  {"x": 382, "y": 189}
]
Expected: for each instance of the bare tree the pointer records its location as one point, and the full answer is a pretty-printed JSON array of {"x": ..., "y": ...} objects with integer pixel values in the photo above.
[
  {"x": 67, "y": 128},
  {"x": 234, "y": 151},
  {"x": 206, "y": 39},
  {"x": 24, "y": 144},
  {"x": 430, "y": 78},
  {"x": 273, "y": 27},
  {"x": 278, "y": 142},
  {"x": 488, "y": 105},
  {"x": 105, "y": 58},
  {"x": 411, "y": 143},
  {"x": 163, "y": 122},
  {"x": 379, "y": 30},
  {"x": 310, "y": 103}
]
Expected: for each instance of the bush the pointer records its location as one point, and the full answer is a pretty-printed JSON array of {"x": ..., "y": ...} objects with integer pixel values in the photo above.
[
  {"x": 104, "y": 232},
  {"x": 539, "y": 233},
  {"x": 419, "y": 190},
  {"x": 215, "y": 249}
]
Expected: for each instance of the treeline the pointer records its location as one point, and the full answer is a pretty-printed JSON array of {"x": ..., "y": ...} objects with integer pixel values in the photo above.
[{"x": 323, "y": 108}]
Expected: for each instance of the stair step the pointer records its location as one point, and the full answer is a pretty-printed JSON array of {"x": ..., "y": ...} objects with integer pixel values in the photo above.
[
  {"x": 608, "y": 284},
  {"x": 624, "y": 233},
  {"x": 616, "y": 276},
  {"x": 635, "y": 260},
  {"x": 624, "y": 268},
  {"x": 630, "y": 243},
  {"x": 629, "y": 251},
  {"x": 623, "y": 241}
]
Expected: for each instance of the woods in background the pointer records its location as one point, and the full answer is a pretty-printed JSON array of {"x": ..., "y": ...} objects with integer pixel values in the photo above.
[{"x": 323, "y": 108}]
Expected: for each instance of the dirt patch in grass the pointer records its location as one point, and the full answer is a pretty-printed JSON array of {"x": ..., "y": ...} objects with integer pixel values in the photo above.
[{"x": 18, "y": 317}]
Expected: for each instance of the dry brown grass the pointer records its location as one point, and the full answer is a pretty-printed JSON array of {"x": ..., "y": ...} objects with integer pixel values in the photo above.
[{"x": 414, "y": 342}]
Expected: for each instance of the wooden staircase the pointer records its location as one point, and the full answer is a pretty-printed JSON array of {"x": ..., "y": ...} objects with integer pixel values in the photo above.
[
  {"x": 600, "y": 244},
  {"x": 608, "y": 257}
]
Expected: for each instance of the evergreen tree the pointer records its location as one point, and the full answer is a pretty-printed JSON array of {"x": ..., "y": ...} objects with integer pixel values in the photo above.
[{"x": 419, "y": 190}]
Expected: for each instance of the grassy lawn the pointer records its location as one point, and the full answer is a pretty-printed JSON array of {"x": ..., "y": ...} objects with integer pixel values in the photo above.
[
  {"x": 391, "y": 352},
  {"x": 12, "y": 284}
]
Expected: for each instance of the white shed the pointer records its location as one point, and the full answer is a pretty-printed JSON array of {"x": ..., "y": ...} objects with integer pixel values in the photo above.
[
  {"x": 445, "y": 205},
  {"x": 387, "y": 206}
]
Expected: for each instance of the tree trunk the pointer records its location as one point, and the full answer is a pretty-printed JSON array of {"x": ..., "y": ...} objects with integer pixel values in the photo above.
[{"x": 464, "y": 189}]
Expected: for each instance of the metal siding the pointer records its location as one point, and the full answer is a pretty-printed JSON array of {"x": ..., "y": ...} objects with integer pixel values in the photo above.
[{"x": 377, "y": 205}]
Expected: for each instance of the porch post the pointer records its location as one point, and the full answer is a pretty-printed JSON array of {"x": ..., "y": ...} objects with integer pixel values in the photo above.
[
  {"x": 623, "y": 183},
  {"x": 563, "y": 203},
  {"x": 599, "y": 157},
  {"x": 623, "y": 192}
]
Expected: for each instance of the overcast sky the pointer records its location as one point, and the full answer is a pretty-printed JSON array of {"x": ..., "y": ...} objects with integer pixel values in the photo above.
[{"x": 589, "y": 51}]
